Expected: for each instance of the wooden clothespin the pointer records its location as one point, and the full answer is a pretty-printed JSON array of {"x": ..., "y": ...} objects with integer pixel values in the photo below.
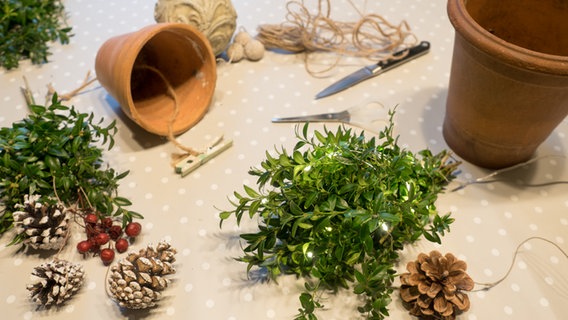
[{"x": 192, "y": 162}]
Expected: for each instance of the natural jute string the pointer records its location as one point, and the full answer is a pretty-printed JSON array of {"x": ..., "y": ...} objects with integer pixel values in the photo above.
[
  {"x": 172, "y": 94},
  {"x": 371, "y": 37}
]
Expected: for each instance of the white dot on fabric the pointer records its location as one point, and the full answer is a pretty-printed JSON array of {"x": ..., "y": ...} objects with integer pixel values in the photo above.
[
  {"x": 248, "y": 297},
  {"x": 210, "y": 303},
  {"x": 515, "y": 287},
  {"x": 508, "y": 310},
  {"x": 226, "y": 282},
  {"x": 170, "y": 311},
  {"x": 148, "y": 196},
  {"x": 488, "y": 272},
  {"x": 186, "y": 252},
  {"x": 17, "y": 262},
  {"x": 544, "y": 302},
  {"x": 28, "y": 315},
  {"x": 554, "y": 259},
  {"x": 183, "y": 220},
  {"x": 270, "y": 314},
  {"x": 149, "y": 226},
  {"x": 188, "y": 287},
  {"x": 549, "y": 280},
  {"x": 470, "y": 239},
  {"x": 495, "y": 252},
  {"x": 502, "y": 232},
  {"x": 205, "y": 266},
  {"x": 522, "y": 265},
  {"x": 533, "y": 227},
  {"x": 92, "y": 285},
  {"x": 70, "y": 308},
  {"x": 11, "y": 299}
]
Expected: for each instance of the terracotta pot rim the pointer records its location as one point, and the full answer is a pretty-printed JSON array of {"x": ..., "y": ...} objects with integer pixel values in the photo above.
[{"x": 512, "y": 54}]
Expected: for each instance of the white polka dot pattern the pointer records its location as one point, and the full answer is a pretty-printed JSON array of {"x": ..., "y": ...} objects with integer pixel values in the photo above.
[{"x": 491, "y": 219}]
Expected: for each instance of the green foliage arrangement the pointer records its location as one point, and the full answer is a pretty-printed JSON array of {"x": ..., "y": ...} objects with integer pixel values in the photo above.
[
  {"x": 26, "y": 28},
  {"x": 337, "y": 210},
  {"x": 57, "y": 152}
]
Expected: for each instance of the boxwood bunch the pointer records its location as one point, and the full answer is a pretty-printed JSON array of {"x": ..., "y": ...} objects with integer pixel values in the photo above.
[{"x": 338, "y": 209}]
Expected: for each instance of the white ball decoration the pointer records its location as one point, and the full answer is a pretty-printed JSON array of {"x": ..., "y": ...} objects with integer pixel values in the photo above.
[
  {"x": 216, "y": 19},
  {"x": 254, "y": 50},
  {"x": 242, "y": 37},
  {"x": 235, "y": 52}
]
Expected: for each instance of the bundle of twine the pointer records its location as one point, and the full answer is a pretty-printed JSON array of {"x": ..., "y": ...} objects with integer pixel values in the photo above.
[{"x": 371, "y": 37}]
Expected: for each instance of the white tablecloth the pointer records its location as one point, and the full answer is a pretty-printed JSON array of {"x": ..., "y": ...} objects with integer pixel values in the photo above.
[{"x": 491, "y": 219}]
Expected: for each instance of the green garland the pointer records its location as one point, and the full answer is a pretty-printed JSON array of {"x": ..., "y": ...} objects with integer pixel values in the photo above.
[
  {"x": 26, "y": 28},
  {"x": 338, "y": 210}
]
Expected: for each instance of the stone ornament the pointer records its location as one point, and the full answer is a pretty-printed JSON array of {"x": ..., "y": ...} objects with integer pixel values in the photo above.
[{"x": 216, "y": 19}]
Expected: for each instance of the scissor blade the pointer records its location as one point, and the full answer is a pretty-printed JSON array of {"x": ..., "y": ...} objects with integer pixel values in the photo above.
[
  {"x": 377, "y": 69},
  {"x": 347, "y": 82},
  {"x": 342, "y": 116}
]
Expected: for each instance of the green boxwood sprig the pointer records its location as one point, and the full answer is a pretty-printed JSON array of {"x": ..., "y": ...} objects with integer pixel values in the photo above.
[
  {"x": 338, "y": 209},
  {"x": 26, "y": 29},
  {"x": 57, "y": 151}
]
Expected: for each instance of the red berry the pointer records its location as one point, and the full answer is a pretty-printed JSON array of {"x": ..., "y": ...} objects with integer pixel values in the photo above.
[
  {"x": 102, "y": 238},
  {"x": 94, "y": 245},
  {"x": 133, "y": 229},
  {"x": 121, "y": 245},
  {"x": 107, "y": 255},
  {"x": 91, "y": 218},
  {"x": 106, "y": 223},
  {"x": 115, "y": 232},
  {"x": 84, "y": 246}
]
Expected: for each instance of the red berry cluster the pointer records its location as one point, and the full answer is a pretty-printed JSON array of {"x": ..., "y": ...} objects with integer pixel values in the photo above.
[{"x": 101, "y": 231}]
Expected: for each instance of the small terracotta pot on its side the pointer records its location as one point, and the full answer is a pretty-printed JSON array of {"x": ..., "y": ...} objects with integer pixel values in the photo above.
[
  {"x": 137, "y": 68},
  {"x": 509, "y": 79}
]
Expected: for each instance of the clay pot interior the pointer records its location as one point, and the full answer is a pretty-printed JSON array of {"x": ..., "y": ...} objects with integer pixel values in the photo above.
[
  {"x": 176, "y": 57},
  {"x": 537, "y": 25}
]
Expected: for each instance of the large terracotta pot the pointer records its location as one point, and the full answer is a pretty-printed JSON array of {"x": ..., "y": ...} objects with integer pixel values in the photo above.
[
  {"x": 137, "y": 68},
  {"x": 509, "y": 78}
]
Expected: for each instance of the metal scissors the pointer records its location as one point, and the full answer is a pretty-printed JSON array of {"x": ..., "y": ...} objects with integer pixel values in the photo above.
[{"x": 368, "y": 116}]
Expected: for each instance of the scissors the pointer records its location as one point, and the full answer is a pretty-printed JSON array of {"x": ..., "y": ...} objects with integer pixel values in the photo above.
[{"x": 368, "y": 116}]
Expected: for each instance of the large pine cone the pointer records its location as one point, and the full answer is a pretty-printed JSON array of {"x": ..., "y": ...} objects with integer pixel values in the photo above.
[
  {"x": 137, "y": 280},
  {"x": 57, "y": 281},
  {"x": 433, "y": 287},
  {"x": 41, "y": 225}
]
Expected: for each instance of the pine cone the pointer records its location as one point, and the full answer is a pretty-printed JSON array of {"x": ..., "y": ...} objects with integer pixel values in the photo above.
[
  {"x": 433, "y": 287},
  {"x": 137, "y": 280},
  {"x": 41, "y": 225},
  {"x": 57, "y": 281}
]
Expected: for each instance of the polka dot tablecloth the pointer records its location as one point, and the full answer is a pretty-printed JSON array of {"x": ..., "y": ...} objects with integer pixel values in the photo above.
[{"x": 491, "y": 219}]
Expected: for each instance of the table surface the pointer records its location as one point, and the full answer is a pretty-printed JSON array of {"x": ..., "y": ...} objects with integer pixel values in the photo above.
[{"x": 491, "y": 219}]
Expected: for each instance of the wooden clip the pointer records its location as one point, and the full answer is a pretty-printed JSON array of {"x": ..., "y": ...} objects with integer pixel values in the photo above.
[{"x": 190, "y": 163}]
